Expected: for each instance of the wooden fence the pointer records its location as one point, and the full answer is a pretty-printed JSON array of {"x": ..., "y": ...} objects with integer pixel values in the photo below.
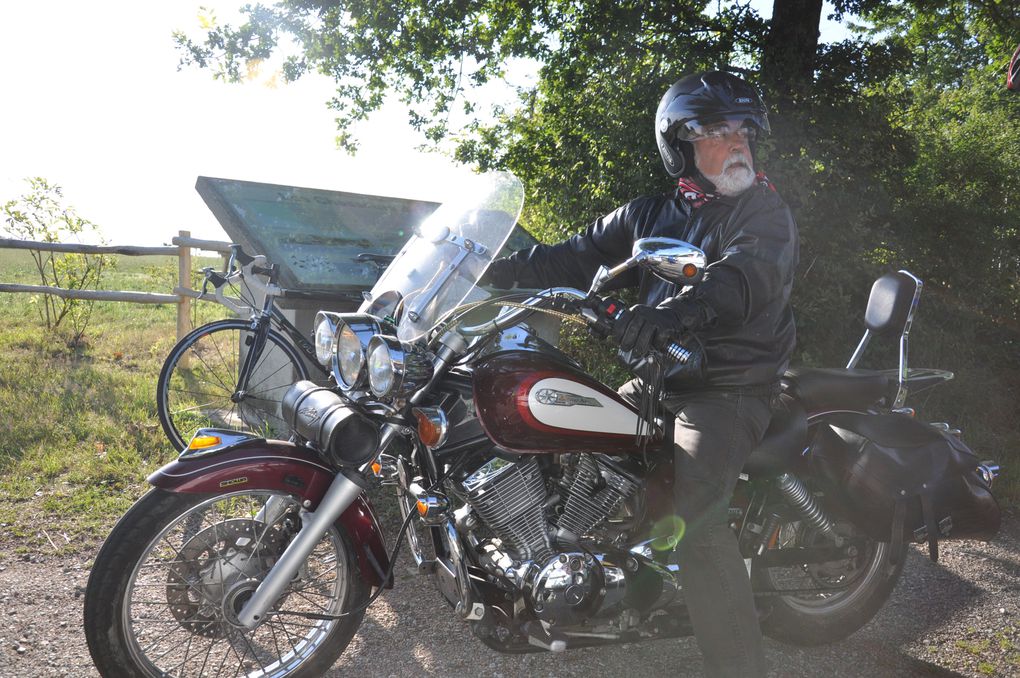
[{"x": 182, "y": 294}]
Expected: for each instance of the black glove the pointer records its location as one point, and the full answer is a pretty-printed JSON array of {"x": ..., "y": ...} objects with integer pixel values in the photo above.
[
  {"x": 642, "y": 327},
  {"x": 500, "y": 274}
]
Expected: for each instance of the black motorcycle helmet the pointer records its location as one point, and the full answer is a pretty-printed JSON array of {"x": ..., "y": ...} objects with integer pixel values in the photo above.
[{"x": 699, "y": 100}]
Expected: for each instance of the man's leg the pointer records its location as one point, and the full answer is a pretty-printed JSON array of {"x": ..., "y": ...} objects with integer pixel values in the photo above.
[{"x": 714, "y": 434}]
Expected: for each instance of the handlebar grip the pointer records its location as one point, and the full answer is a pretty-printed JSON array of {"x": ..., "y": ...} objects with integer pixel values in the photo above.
[
  {"x": 675, "y": 351},
  {"x": 215, "y": 278},
  {"x": 240, "y": 255},
  {"x": 608, "y": 311}
]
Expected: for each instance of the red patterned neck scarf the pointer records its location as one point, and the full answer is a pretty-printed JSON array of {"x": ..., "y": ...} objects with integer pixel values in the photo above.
[{"x": 696, "y": 196}]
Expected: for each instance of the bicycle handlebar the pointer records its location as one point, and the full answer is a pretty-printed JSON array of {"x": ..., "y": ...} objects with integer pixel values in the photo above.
[{"x": 252, "y": 269}]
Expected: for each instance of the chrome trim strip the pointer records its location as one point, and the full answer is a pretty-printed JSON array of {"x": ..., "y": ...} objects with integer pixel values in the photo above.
[{"x": 205, "y": 467}]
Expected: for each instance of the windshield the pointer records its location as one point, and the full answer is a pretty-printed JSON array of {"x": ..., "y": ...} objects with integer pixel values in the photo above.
[{"x": 438, "y": 267}]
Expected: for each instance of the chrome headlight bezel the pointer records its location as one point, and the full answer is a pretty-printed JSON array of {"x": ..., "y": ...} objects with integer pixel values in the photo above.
[
  {"x": 353, "y": 333},
  {"x": 402, "y": 367}
]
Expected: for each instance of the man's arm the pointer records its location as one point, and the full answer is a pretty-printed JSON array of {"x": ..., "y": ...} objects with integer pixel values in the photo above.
[{"x": 573, "y": 262}]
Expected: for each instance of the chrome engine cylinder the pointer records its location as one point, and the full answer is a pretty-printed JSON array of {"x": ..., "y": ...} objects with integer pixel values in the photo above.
[
  {"x": 588, "y": 504},
  {"x": 510, "y": 498}
]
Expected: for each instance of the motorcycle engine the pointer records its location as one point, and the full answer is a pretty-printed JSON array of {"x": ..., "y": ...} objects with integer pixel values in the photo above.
[{"x": 561, "y": 583}]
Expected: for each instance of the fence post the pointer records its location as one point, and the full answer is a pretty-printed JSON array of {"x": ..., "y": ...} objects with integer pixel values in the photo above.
[{"x": 184, "y": 281}]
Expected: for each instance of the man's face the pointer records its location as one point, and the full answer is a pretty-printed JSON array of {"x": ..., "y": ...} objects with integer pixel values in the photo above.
[{"x": 723, "y": 155}]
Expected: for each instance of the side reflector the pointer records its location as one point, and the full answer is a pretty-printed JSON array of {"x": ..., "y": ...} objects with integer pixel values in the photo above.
[{"x": 203, "y": 442}]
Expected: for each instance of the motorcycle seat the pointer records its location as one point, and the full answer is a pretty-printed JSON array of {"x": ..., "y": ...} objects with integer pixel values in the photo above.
[
  {"x": 824, "y": 389},
  {"x": 784, "y": 440}
]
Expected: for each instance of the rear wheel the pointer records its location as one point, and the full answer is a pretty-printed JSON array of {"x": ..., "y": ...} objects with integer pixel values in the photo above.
[
  {"x": 170, "y": 579},
  {"x": 197, "y": 386},
  {"x": 850, "y": 591}
]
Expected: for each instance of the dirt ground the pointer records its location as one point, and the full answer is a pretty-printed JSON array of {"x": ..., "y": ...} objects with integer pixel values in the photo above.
[{"x": 960, "y": 616}]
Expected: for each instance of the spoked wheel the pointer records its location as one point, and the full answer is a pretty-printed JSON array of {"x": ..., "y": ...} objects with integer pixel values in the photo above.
[
  {"x": 198, "y": 383},
  {"x": 166, "y": 588},
  {"x": 846, "y": 593}
]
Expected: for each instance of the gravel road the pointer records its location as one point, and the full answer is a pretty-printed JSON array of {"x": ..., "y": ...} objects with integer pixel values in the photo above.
[{"x": 958, "y": 617}]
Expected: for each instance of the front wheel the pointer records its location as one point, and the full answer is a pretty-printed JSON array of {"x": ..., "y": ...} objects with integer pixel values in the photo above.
[
  {"x": 167, "y": 585},
  {"x": 844, "y": 594},
  {"x": 197, "y": 386}
]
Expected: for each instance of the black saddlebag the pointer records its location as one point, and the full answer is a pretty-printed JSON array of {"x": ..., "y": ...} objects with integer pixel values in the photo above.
[{"x": 902, "y": 479}]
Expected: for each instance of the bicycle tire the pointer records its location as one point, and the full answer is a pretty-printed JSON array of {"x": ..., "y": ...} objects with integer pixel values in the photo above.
[{"x": 200, "y": 393}]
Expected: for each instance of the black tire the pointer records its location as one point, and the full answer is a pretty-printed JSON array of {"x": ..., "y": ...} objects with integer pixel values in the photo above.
[
  {"x": 199, "y": 392},
  {"x": 149, "y": 608},
  {"x": 821, "y": 619}
]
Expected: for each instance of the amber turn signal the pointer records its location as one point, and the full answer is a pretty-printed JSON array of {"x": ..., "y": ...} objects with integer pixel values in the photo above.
[
  {"x": 690, "y": 270},
  {"x": 432, "y": 426}
]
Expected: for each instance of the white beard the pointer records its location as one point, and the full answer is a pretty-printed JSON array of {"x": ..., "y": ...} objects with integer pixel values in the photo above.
[{"x": 735, "y": 181}]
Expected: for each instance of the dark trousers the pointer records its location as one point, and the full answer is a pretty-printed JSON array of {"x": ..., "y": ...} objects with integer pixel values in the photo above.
[{"x": 713, "y": 436}]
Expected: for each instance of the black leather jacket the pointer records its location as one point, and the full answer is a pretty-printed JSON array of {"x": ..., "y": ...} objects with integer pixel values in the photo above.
[{"x": 741, "y": 310}]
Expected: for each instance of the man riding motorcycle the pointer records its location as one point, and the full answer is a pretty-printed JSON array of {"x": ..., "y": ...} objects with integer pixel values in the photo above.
[{"x": 706, "y": 126}]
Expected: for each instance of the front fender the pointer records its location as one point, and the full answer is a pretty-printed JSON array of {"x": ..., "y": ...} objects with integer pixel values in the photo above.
[{"x": 246, "y": 462}]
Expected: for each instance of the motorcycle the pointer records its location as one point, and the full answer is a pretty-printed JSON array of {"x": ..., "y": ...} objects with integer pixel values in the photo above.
[{"x": 536, "y": 498}]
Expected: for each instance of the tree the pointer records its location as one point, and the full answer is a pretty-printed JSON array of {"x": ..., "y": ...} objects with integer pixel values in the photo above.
[{"x": 40, "y": 215}]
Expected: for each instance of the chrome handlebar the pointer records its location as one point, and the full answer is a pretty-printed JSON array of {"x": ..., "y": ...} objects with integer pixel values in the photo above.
[{"x": 676, "y": 352}]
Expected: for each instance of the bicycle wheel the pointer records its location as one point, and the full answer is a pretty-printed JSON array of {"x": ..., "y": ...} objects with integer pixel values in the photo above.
[{"x": 198, "y": 382}]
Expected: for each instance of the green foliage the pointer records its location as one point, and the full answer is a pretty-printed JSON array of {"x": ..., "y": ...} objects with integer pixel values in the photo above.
[{"x": 40, "y": 215}]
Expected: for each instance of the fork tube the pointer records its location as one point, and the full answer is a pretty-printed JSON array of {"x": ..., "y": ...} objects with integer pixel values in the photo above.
[
  {"x": 341, "y": 493},
  {"x": 260, "y": 330}
]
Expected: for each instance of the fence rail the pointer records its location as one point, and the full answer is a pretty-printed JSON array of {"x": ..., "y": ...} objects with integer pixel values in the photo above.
[{"x": 182, "y": 294}]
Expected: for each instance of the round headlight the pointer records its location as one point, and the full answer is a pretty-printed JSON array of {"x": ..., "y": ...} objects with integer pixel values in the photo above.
[
  {"x": 396, "y": 368},
  {"x": 350, "y": 356},
  {"x": 380, "y": 368},
  {"x": 350, "y": 345},
  {"x": 324, "y": 329}
]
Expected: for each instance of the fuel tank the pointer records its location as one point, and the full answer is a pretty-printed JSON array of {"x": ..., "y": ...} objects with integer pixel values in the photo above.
[{"x": 532, "y": 402}]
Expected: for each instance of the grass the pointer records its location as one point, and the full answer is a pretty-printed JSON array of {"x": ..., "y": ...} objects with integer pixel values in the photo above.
[
  {"x": 78, "y": 427},
  {"x": 993, "y": 656}
]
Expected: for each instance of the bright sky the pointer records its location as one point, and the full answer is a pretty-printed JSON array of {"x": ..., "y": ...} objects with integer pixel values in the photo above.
[{"x": 91, "y": 99}]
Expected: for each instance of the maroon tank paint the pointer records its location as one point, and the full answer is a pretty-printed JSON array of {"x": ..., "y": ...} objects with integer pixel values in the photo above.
[
  {"x": 286, "y": 467},
  {"x": 501, "y": 387}
]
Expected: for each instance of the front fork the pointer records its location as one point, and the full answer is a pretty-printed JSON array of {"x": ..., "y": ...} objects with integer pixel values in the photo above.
[
  {"x": 341, "y": 493},
  {"x": 260, "y": 330}
]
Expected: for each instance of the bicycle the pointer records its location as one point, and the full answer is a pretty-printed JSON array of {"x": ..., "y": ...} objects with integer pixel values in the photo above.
[{"x": 232, "y": 373}]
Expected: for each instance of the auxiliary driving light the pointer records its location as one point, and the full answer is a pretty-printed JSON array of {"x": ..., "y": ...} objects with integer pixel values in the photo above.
[
  {"x": 396, "y": 368},
  {"x": 325, "y": 330},
  {"x": 353, "y": 332}
]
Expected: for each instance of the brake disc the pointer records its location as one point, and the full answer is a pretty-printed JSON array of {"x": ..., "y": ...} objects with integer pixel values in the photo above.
[{"x": 213, "y": 563}]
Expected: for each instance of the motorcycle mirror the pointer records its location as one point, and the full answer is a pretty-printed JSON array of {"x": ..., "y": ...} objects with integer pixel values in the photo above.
[{"x": 672, "y": 260}]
